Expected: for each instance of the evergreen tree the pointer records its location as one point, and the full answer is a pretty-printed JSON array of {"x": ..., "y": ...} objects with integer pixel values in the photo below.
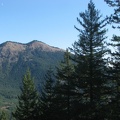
[
  {"x": 115, "y": 77},
  {"x": 47, "y": 97},
  {"x": 28, "y": 101},
  {"x": 66, "y": 86},
  {"x": 115, "y": 62},
  {"x": 114, "y": 17},
  {"x": 3, "y": 116},
  {"x": 90, "y": 70}
]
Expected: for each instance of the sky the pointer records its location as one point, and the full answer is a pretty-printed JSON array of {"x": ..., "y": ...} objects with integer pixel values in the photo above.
[{"x": 49, "y": 21}]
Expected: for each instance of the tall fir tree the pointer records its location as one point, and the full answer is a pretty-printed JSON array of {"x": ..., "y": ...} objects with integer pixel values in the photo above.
[
  {"x": 3, "y": 116},
  {"x": 66, "y": 86},
  {"x": 90, "y": 70},
  {"x": 28, "y": 101},
  {"x": 115, "y": 78},
  {"x": 47, "y": 96},
  {"x": 115, "y": 62},
  {"x": 115, "y": 16}
]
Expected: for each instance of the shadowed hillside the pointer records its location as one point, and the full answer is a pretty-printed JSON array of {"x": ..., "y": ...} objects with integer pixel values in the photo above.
[{"x": 15, "y": 58}]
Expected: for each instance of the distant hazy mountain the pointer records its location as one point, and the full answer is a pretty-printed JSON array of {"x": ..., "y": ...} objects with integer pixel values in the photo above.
[{"x": 16, "y": 58}]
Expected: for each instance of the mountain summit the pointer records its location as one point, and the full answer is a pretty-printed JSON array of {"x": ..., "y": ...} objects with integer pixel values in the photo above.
[
  {"x": 15, "y": 46},
  {"x": 16, "y": 58},
  {"x": 11, "y": 50}
]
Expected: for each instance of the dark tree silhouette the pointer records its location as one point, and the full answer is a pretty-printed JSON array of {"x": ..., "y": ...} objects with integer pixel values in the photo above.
[
  {"x": 66, "y": 85},
  {"x": 47, "y": 97},
  {"x": 90, "y": 68}
]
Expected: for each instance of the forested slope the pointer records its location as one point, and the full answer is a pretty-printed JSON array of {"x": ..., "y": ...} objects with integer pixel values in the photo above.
[{"x": 15, "y": 58}]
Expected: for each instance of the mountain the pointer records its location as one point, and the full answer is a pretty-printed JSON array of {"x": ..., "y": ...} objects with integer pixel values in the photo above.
[{"x": 16, "y": 58}]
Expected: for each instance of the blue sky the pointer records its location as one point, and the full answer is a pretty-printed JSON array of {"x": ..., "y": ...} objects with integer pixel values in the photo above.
[{"x": 49, "y": 21}]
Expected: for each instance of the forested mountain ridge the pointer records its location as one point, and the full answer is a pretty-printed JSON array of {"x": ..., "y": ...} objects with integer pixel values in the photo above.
[{"x": 15, "y": 58}]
